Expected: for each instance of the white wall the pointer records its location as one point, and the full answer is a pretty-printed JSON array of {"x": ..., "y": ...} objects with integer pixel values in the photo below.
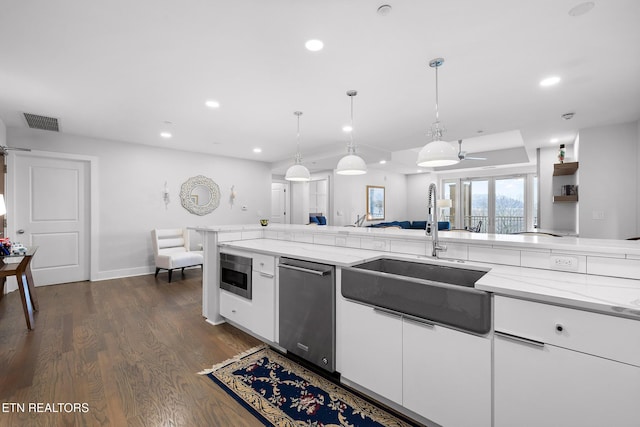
[
  {"x": 560, "y": 217},
  {"x": 3, "y": 133},
  {"x": 350, "y": 196},
  {"x": 131, "y": 180},
  {"x": 638, "y": 181},
  {"x": 609, "y": 181}
]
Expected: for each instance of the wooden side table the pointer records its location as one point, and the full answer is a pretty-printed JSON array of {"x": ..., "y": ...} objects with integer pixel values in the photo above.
[{"x": 22, "y": 271}]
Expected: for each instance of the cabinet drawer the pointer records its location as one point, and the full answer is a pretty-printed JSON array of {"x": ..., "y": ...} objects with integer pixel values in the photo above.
[
  {"x": 235, "y": 308},
  {"x": 263, "y": 263},
  {"x": 606, "y": 336}
]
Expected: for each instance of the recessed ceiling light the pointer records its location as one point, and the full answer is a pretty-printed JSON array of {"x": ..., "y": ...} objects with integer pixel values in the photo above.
[
  {"x": 212, "y": 104},
  {"x": 257, "y": 150},
  {"x": 165, "y": 135},
  {"x": 384, "y": 10},
  {"x": 554, "y": 140},
  {"x": 582, "y": 8},
  {"x": 550, "y": 81},
  {"x": 382, "y": 162},
  {"x": 347, "y": 128},
  {"x": 314, "y": 45}
]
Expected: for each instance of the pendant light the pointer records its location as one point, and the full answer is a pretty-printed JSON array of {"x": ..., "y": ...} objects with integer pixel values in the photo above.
[
  {"x": 437, "y": 152},
  {"x": 298, "y": 172},
  {"x": 351, "y": 164}
]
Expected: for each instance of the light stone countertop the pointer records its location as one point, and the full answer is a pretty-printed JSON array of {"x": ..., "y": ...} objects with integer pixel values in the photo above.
[
  {"x": 602, "y": 294},
  {"x": 565, "y": 243}
]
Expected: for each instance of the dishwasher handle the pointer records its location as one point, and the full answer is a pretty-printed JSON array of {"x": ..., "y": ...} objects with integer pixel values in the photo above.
[{"x": 305, "y": 270}]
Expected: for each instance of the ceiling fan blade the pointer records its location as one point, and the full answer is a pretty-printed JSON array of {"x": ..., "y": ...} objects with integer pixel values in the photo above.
[
  {"x": 462, "y": 155},
  {"x": 4, "y": 149}
]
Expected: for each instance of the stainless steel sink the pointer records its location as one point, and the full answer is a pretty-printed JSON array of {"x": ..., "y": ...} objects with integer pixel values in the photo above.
[{"x": 440, "y": 293}]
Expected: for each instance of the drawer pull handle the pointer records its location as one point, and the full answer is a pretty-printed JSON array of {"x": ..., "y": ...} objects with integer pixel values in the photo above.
[
  {"x": 559, "y": 327},
  {"x": 519, "y": 339},
  {"x": 387, "y": 311},
  {"x": 418, "y": 320},
  {"x": 233, "y": 311},
  {"x": 267, "y": 275}
]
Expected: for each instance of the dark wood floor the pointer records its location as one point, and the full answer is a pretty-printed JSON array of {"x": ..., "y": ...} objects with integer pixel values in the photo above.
[{"x": 128, "y": 348}]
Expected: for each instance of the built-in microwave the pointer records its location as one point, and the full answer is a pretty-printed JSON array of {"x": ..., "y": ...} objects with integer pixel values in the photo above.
[{"x": 235, "y": 274}]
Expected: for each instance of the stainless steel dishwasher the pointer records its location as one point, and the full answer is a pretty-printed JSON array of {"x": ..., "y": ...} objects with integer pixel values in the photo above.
[{"x": 307, "y": 311}]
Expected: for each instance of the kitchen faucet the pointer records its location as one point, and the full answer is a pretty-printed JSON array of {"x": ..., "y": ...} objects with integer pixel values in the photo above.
[{"x": 432, "y": 218}]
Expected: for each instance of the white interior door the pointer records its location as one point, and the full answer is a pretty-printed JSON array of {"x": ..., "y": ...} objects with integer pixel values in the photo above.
[
  {"x": 52, "y": 211},
  {"x": 279, "y": 203}
]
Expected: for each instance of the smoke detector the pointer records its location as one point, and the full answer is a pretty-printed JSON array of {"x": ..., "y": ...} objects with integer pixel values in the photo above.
[{"x": 568, "y": 116}]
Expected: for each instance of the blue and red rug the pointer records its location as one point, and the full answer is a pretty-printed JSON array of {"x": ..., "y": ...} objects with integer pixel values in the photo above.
[{"x": 280, "y": 392}]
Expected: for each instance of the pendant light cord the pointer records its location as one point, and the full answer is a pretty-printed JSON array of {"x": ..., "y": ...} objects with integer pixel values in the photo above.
[
  {"x": 298, "y": 156},
  {"x": 351, "y": 148},
  {"x": 298, "y": 136},
  {"x": 437, "y": 114},
  {"x": 436, "y": 130}
]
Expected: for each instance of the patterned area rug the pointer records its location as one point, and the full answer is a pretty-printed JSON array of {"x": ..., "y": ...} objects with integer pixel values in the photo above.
[{"x": 280, "y": 392}]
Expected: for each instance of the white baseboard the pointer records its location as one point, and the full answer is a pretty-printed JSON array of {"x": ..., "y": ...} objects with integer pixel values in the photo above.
[
  {"x": 129, "y": 272},
  {"x": 125, "y": 272}
]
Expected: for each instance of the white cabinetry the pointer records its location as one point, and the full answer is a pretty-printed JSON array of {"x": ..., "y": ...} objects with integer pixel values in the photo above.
[
  {"x": 258, "y": 314},
  {"x": 431, "y": 370},
  {"x": 564, "y": 367},
  {"x": 370, "y": 349},
  {"x": 446, "y": 374}
]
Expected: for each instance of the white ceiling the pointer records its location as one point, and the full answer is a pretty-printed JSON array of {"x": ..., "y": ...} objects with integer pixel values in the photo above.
[{"x": 120, "y": 70}]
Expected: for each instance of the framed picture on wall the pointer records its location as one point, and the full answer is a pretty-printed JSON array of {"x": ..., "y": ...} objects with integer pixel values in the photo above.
[{"x": 375, "y": 203}]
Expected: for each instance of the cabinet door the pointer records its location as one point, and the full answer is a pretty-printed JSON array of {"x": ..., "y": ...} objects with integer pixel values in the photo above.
[
  {"x": 546, "y": 385},
  {"x": 371, "y": 349},
  {"x": 236, "y": 309},
  {"x": 263, "y": 317},
  {"x": 447, "y": 375}
]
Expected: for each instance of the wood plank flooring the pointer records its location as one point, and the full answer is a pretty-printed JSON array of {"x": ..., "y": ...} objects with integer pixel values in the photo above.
[{"x": 127, "y": 348}]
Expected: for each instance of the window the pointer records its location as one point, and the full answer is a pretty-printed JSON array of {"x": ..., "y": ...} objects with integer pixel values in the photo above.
[
  {"x": 500, "y": 204},
  {"x": 509, "y": 205},
  {"x": 450, "y": 193}
]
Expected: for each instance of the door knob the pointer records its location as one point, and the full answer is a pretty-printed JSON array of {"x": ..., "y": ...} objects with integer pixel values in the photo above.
[{"x": 21, "y": 231}]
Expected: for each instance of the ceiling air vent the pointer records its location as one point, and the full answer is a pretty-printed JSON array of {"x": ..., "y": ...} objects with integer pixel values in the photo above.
[{"x": 42, "y": 122}]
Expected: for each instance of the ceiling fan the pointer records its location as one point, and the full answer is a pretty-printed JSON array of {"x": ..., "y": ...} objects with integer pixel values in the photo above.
[
  {"x": 462, "y": 155},
  {"x": 5, "y": 150}
]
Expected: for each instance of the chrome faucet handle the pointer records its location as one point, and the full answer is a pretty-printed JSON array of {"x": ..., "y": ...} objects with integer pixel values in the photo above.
[{"x": 438, "y": 248}]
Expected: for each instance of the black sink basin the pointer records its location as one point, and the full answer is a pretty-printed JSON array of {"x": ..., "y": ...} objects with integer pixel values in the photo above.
[
  {"x": 440, "y": 293},
  {"x": 421, "y": 270}
]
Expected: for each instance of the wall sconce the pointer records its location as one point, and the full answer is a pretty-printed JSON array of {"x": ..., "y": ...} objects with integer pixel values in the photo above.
[
  {"x": 232, "y": 195},
  {"x": 165, "y": 196}
]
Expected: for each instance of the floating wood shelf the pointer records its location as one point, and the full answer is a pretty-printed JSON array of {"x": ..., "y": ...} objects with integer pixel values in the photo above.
[
  {"x": 565, "y": 168},
  {"x": 572, "y": 198}
]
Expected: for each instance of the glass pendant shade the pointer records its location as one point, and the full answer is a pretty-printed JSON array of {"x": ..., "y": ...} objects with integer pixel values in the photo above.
[
  {"x": 437, "y": 153},
  {"x": 351, "y": 164},
  {"x": 298, "y": 172}
]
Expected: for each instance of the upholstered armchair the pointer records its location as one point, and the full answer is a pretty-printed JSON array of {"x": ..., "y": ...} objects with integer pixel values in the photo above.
[{"x": 171, "y": 250}]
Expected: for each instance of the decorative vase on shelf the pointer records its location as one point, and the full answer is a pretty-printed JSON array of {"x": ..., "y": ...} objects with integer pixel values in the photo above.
[{"x": 561, "y": 153}]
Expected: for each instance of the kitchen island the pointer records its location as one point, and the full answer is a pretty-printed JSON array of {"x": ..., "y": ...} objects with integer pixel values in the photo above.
[{"x": 566, "y": 322}]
